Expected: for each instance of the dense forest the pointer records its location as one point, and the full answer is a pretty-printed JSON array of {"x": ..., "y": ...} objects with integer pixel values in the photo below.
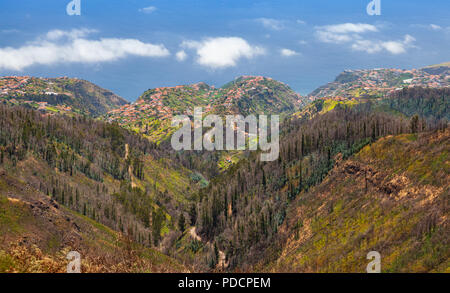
[
  {"x": 425, "y": 102},
  {"x": 91, "y": 167},
  {"x": 242, "y": 210},
  {"x": 153, "y": 194}
]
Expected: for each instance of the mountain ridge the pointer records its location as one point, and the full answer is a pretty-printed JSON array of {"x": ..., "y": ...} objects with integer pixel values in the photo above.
[
  {"x": 375, "y": 83},
  {"x": 153, "y": 110},
  {"x": 58, "y": 95},
  {"x": 245, "y": 217}
]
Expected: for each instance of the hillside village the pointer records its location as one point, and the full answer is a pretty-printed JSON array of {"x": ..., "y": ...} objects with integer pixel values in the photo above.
[
  {"x": 21, "y": 85},
  {"x": 12, "y": 83},
  {"x": 154, "y": 109},
  {"x": 354, "y": 84},
  {"x": 61, "y": 95},
  {"x": 158, "y": 103},
  {"x": 165, "y": 102},
  {"x": 17, "y": 89}
]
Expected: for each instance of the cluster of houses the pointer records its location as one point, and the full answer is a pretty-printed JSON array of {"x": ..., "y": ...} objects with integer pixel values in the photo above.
[
  {"x": 381, "y": 81},
  {"x": 251, "y": 84},
  {"x": 13, "y": 87},
  {"x": 10, "y": 84},
  {"x": 152, "y": 105},
  {"x": 20, "y": 85}
]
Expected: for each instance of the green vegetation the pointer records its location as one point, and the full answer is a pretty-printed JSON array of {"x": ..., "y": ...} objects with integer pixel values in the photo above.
[
  {"x": 373, "y": 202},
  {"x": 427, "y": 103},
  {"x": 361, "y": 169}
]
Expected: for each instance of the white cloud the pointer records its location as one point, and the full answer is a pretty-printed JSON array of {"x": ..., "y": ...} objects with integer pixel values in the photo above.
[
  {"x": 222, "y": 52},
  {"x": 72, "y": 34},
  {"x": 346, "y": 28},
  {"x": 271, "y": 23},
  {"x": 299, "y": 21},
  {"x": 54, "y": 49},
  {"x": 393, "y": 47},
  {"x": 435, "y": 27},
  {"x": 181, "y": 55},
  {"x": 288, "y": 53},
  {"x": 148, "y": 10},
  {"x": 329, "y": 37},
  {"x": 432, "y": 26},
  {"x": 341, "y": 33},
  {"x": 408, "y": 40},
  {"x": 353, "y": 34}
]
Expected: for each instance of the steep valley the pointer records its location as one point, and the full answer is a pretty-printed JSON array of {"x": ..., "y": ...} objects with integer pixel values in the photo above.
[
  {"x": 363, "y": 166},
  {"x": 391, "y": 197}
]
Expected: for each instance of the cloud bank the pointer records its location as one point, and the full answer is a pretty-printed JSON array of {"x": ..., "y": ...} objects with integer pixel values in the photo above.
[
  {"x": 393, "y": 47},
  {"x": 72, "y": 34},
  {"x": 342, "y": 33},
  {"x": 222, "y": 52},
  {"x": 72, "y": 47},
  {"x": 353, "y": 34}
]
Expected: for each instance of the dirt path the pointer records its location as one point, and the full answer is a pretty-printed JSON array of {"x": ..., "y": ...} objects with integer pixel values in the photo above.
[
  {"x": 222, "y": 261},
  {"x": 193, "y": 233},
  {"x": 130, "y": 168}
]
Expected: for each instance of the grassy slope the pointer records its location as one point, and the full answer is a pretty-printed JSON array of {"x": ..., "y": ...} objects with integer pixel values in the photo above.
[
  {"x": 36, "y": 235},
  {"x": 403, "y": 214},
  {"x": 322, "y": 106}
]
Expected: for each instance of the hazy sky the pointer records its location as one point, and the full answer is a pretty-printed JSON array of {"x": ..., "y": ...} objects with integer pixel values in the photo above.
[{"x": 130, "y": 46}]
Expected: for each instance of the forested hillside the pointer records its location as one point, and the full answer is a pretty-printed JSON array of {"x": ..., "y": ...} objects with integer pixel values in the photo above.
[
  {"x": 425, "y": 102},
  {"x": 244, "y": 210},
  {"x": 353, "y": 175},
  {"x": 391, "y": 197},
  {"x": 96, "y": 169},
  {"x": 37, "y": 233}
]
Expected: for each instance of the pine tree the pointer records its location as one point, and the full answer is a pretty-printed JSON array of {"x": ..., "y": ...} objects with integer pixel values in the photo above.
[
  {"x": 414, "y": 124},
  {"x": 181, "y": 222},
  {"x": 193, "y": 214}
]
